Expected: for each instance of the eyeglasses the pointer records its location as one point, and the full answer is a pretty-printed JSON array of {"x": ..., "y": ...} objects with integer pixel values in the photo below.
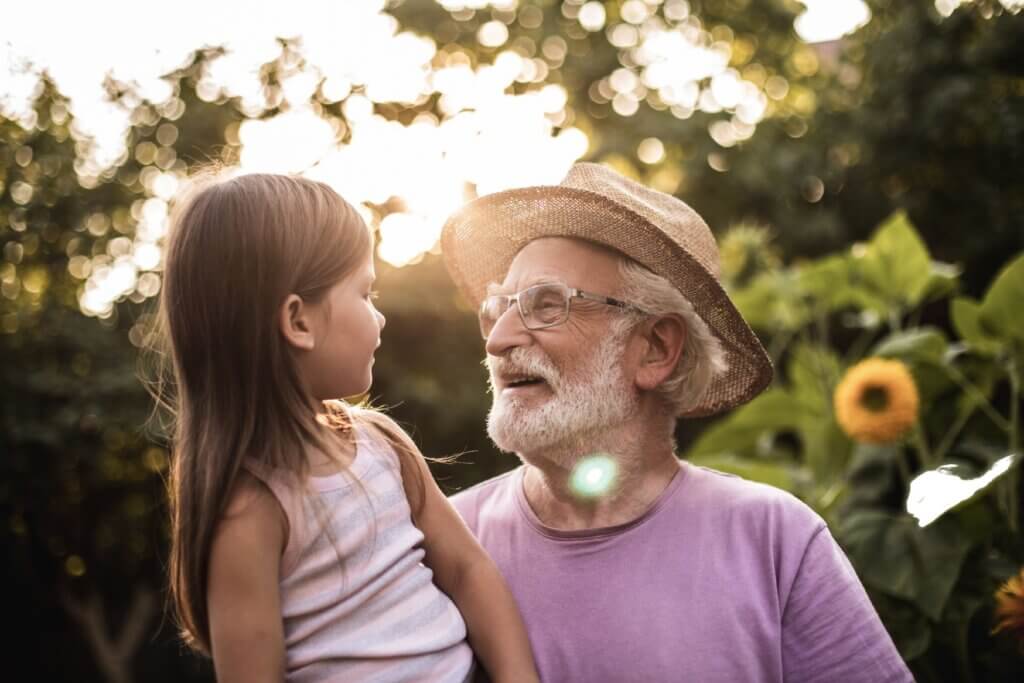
[{"x": 541, "y": 306}]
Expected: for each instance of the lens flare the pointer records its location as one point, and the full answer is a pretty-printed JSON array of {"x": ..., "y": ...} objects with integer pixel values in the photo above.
[{"x": 593, "y": 476}]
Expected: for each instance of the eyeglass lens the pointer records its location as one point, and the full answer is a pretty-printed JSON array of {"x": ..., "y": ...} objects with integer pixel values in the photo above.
[{"x": 540, "y": 306}]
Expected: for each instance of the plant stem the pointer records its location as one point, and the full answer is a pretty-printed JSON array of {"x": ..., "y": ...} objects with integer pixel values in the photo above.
[
  {"x": 963, "y": 653},
  {"x": 950, "y": 436},
  {"x": 895, "y": 319},
  {"x": 1013, "y": 481},
  {"x": 917, "y": 436},
  {"x": 859, "y": 346},
  {"x": 821, "y": 322},
  {"x": 825, "y": 383},
  {"x": 1014, "y": 407},
  {"x": 983, "y": 403},
  {"x": 778, "y": 345},
  {"x": 901, "y": 464},
  {"x": 914, "y": 320}
]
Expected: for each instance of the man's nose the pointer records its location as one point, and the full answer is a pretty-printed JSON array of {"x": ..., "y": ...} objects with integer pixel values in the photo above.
[{"x": 508, "y": 332}]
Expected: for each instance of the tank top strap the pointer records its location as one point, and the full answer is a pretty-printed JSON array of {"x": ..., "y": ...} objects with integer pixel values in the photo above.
[
  {"x": 372, "y": 442},
  {"x": 289, "y": 496}
]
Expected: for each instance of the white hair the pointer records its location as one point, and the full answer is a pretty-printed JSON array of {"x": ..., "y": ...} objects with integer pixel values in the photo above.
[{"x": 703, "y": 358}]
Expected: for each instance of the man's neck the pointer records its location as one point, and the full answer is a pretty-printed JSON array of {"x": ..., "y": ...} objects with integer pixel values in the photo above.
[{"x": 640, "y": 468}]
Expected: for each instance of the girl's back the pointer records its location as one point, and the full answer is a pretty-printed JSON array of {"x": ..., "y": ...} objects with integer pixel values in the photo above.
[{"x": 378, "y": 616}]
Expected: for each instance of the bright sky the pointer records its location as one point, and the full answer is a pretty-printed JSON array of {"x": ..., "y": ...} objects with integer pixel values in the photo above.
[
  {"x": 482, "y": 135},
  {"x": 824, "y": 20}
]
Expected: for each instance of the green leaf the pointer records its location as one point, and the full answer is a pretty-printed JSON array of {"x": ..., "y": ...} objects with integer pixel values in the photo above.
[
  {"x": 771, "y": 412},
  {"x": 944, "y": 280},
  {"x": 771, "y": 473},
  {"x": 897, "y": 263},
  {"x": 872, "y": 474},
  {"x": 985, "y": 378},
  {"x": 923, "y": 344},
  {"x": 1001, "y": 310},
  {"x": 826, "y": 283},
  {"x": 773, "y": 301},
  {"x": 925, "y": 351},
  {"x": 894, "y": 556},
  {"x": 826, "y": 450},
  {"x": 910, "y": 630},
  {"x": 966, "y": 315},
  {"x": 813, "y": 372}
]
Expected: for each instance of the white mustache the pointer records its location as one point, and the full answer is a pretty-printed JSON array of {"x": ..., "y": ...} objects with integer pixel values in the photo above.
[{"x": 521, "y": 362}]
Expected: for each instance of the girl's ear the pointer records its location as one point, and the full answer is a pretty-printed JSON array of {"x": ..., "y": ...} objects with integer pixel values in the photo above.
[
  {"x": 665, "y": 338},
  {"x": 294, "y": 321}
]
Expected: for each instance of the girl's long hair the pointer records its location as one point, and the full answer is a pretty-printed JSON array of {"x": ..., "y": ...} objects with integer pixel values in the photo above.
[{"x": 236, "y": 248}]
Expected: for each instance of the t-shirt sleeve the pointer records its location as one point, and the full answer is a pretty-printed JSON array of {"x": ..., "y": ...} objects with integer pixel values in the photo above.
[
  {"x": 830, "y": 629},
  {"x": 466, "y": 503}
]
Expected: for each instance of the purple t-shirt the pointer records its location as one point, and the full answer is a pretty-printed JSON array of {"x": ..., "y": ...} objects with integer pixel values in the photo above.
[{"x": 722, "y": 579}]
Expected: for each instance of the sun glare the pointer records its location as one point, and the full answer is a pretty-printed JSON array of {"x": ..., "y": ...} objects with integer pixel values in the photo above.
[
  {"x": 355, "y": 53},
  {"x": 492, "y": 124},
  {"x": 825, "y": 20}
]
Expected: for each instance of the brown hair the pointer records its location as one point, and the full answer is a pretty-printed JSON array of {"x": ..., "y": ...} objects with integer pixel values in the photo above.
[{"x": 237, "y": 247}]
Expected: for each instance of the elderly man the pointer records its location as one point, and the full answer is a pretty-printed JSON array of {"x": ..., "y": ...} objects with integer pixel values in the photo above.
[{"x": 604, "y": 322}]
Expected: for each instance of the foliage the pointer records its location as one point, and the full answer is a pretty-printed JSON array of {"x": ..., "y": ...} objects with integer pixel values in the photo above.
[
  {"x": 862, "y": 129},
  {"x": 934, "y": 585},
  {"x": 865, "y": 126}
]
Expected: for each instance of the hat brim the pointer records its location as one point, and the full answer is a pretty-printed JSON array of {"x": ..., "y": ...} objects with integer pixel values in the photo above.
[{"x": 480, "y": 241}]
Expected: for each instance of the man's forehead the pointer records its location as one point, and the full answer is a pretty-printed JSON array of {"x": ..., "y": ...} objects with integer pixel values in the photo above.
[
  {"x": 559, "y": 254},
  {"x": 576, "y": 262},
  {"x": 511, "y": 287}
]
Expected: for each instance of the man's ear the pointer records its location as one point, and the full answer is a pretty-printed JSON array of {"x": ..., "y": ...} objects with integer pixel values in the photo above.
[
  {"x": 294, "y": 322},
  {"x": 665, "y": 339}
]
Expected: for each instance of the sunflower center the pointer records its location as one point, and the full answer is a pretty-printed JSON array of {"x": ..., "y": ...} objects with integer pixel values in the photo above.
[{"x": 875, "y": 398}]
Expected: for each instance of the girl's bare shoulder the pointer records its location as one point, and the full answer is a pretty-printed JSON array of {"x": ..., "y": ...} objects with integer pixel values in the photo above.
[{"x": 252, "y": 512}]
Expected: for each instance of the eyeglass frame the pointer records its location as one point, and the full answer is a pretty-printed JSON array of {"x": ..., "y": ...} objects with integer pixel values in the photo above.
[{"x": 570, "y": 294}]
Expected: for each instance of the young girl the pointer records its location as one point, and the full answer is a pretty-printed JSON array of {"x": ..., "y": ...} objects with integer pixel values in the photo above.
[{"x": 309, "y": 541}]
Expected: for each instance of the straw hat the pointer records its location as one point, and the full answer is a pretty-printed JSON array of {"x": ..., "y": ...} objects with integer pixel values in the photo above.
[{"x": 657, "y": 230}]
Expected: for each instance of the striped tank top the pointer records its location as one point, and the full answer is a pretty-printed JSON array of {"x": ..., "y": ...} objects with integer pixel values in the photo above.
[{"x": 375, "y": 614}]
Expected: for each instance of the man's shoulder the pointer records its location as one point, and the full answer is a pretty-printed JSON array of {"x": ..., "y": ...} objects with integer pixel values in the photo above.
[
  {"x": 731, "y": 494},
  {"x": 497, "y": 490}
]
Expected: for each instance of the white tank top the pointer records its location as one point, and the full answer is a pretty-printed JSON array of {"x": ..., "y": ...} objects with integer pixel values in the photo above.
[{"x": 375, "y": 614}]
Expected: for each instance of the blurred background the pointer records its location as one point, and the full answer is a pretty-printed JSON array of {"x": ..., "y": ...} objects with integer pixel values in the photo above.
[{"x": 860, "y": 161}]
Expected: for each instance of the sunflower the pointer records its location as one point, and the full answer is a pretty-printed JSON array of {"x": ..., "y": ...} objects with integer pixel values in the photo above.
[
  {"x": 876, "y": 401},
  {"x": 1010, "y": 608}
]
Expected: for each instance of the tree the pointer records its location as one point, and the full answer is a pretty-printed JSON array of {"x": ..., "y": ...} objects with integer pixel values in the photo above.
[{"x": 848, "y": 133}]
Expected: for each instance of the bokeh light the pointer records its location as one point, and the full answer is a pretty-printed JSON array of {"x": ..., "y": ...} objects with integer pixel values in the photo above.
[
  {"x": 592, "y": 16},
  {"x": 650, "y": 151},
  {"x": 356, "y": 56},
  {"x": 353, "y": 54},
  {"x": 825, "y": 20},
  {"x": 593, "y": 476}
]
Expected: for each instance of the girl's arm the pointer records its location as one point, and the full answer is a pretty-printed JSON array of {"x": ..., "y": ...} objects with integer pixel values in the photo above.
[
  {"x": 246, "y": 630},
  {"x": 464, "y": 570}
]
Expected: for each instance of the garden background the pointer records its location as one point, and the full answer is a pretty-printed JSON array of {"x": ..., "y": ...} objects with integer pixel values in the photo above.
[{"x": 867, "y": 191}]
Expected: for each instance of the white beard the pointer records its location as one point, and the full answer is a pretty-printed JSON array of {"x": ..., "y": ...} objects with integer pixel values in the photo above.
[{"x": 581, "y": 409}]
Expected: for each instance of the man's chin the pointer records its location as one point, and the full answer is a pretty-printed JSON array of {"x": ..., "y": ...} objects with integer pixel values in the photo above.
[
  {"x": 505, "y": 428},
  {"x": 497, "y": 430}
]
